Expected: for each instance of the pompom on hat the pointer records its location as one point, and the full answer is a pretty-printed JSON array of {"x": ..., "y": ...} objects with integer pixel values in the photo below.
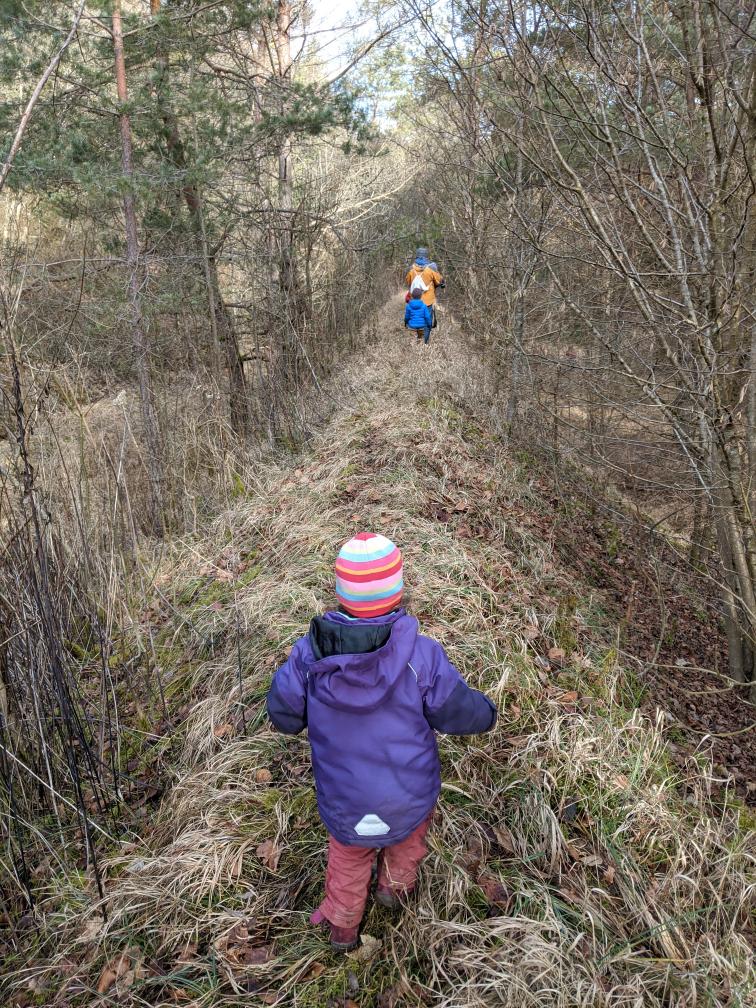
[{"x": 369, "y": 578}]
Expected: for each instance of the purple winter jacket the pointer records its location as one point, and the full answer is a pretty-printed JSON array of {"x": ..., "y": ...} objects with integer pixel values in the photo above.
[{"x": 372, "y": 693}]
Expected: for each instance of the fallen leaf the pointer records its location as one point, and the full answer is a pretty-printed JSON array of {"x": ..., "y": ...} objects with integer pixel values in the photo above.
[
  {"x": 269, "y": 853},
  {"x": 517, "y": 741},
  {"x": 314, "y": 971},
  {"x": 238, "y": 933},
  {"x": 367, "y": 950},
  {"x": 570, "y": 895},
  {"x": 187, "y": 953},
  {"x": 474, "y": 845},
  {"x": 263, "y": 776},
  {"x": 569, "y": 697},
  {"x": 237, "y": 949},
  {"x": 137, "y": 972},
  {"x": 182, "y": 994},
  {"x": 92, "y": 929},
  {"x": 112, "y": 970},
  {"x": 394, "y": 996},
  {"x": 391, "y": 997},
  {"x": 472, "y": 855},
  {"x": 505, "y": 839},
  {"x": 592, "y": 860},
  {"x": 494, "y": 890},
  {"x": 256, "y": 955}
]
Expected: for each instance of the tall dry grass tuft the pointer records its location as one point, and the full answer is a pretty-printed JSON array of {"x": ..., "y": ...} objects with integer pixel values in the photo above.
[{"x": 572, "y": 863}]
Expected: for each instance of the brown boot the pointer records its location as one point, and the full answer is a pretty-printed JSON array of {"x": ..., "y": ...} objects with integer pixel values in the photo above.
[{"x": 343, "y": 939}]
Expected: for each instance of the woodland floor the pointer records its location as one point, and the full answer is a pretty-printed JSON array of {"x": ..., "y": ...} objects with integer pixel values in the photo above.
[
  {"x": 668, "y": 624},
  {"x": 584, "y": 853}
]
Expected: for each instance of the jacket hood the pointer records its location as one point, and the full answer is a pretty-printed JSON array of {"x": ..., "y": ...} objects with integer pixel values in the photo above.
[{"x": 359, "y": 661}]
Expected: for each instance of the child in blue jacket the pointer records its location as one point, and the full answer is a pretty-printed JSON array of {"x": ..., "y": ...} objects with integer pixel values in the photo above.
[{"x": 418, "y": 316}]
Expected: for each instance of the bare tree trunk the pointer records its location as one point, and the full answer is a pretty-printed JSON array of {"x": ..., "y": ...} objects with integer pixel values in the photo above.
[
  {"x": 516, "y": 359},
  {"x": 739, "y": 646},
  {"x": 522, "y": 271},
  {"x": 137, "y": 283},
  {"x": 286, "y": 275},
  {"x": 221, "y": 320},
  {"x": 699, "y": 532}
]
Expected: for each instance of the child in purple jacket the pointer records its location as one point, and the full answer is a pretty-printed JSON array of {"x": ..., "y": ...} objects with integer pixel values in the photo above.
[{"x": 372, "y": 692}]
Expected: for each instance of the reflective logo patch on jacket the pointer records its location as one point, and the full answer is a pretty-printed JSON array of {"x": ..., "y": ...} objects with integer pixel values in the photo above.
[{"x": 371, "y": 825}]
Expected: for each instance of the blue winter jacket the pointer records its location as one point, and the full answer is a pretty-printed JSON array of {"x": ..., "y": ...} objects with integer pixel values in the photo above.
[
  {"x": 372, "y": 693},
  {"x": 417, "y": 314}
]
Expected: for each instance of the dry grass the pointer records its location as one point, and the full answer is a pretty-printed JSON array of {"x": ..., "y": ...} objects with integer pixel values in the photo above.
[{"x": 570, "y": 864}]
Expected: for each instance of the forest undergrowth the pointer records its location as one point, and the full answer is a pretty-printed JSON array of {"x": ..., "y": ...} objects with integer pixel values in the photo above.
[{"x": 576, "y": 858}]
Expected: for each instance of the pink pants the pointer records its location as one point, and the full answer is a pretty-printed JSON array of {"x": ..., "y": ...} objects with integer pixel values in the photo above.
[{"x": 349, "y": 869}]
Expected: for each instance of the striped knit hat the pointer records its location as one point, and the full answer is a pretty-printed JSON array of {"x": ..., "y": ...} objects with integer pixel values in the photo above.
[{"x": 369, "y": 575}]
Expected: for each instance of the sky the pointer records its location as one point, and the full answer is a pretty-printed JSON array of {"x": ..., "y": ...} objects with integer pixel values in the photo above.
[{"x": 330, "y": 30}]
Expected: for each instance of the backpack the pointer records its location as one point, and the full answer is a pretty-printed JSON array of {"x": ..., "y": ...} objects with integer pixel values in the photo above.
[{"x": 417, "y": 283}]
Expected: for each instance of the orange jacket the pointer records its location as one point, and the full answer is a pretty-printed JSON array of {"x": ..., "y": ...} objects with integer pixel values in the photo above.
[{"x": 431, "y": 278}]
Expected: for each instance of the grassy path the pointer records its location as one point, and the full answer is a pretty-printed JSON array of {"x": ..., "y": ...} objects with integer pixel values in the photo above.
[{"x": 571, "y": 863}]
